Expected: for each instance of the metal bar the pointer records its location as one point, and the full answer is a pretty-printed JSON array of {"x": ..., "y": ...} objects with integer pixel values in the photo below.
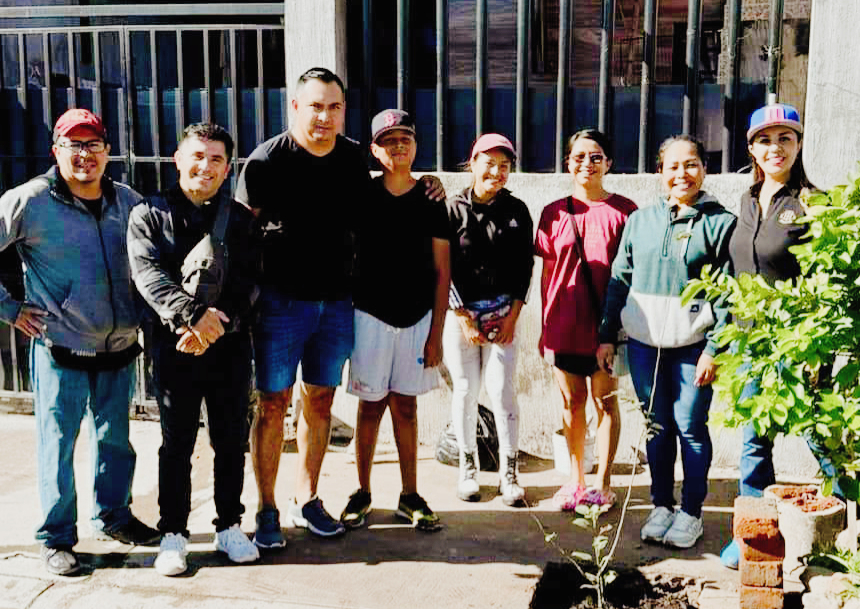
[
  {"x": 604, "y": 89},
  {"x": 22, "y": 74},
  {"x": 125, "y": 95},
  {"x": 564, "y": 25},
  {"x": 367, "y": 88},
  {"x": 259, "y": 101},
  {"x": 132, "y": 28},
  {"x": 646, "y": 93},
  {"x": 142, "y": 10},
  {"x": 207, "y": 81},
  {"x": 234, "y": 101},
  {"x": 180, "y": 80},
  {"x": 13, "y": 348},
  {"x": 153, "y": 106},
  {"x": 441, "y": 80},
  {"x": 691, "y": 82},
  {"x": 480, "y": 64},
  {"x": 47, "y": 105},
  {"x": 731, "y": 96},
  {"x": 97, "y": 69},
  {"x": 72, "y": 94},
  {"x": 403, "y": 84},
  {"x": 774, "y": 49},
  {"x": 522, "y": 78}
]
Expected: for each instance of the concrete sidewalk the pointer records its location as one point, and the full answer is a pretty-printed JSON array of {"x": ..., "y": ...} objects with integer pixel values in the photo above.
[{"x": 488, "y": 555}]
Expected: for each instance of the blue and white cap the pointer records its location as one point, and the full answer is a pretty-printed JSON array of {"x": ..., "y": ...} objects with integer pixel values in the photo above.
[{"x": 773, "y": 115}]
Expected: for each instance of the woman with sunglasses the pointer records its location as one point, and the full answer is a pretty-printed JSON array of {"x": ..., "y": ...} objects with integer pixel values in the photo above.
[{"x": 577, "y": 239}]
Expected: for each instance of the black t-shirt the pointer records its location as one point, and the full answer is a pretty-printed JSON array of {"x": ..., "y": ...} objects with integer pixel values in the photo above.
[
  {"x": 395, "y": 278},
  {"x": 308, "y": 207}
]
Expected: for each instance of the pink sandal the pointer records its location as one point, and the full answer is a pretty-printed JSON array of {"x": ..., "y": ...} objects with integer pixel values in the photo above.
[{"x": 568, "y": 497}]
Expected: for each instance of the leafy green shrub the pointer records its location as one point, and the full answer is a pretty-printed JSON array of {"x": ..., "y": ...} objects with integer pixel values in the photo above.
[{"x": 799, "y": 339}]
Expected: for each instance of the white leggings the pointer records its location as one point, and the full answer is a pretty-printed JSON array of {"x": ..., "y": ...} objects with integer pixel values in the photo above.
[{"x": 465, "y": 362}]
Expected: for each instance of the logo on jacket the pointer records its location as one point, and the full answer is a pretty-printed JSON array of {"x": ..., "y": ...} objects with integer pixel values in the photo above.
[
  {"x": 787, "y": 217},
  {"x": 272, "y": 227},
  {"x": 695, "y": 307}
]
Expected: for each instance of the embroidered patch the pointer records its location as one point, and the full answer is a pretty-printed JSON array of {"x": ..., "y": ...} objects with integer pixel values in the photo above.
[
  {"x": 787, "y": 217},
  {"x": 695, "y": 307}
]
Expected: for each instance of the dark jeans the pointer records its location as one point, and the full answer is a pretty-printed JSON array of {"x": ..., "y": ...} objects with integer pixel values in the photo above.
[
  {"x": 221, "y": 376},
  {"x": 681, "y": 409}
]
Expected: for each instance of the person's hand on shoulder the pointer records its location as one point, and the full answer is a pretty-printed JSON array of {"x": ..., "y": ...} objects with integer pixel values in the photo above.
[{"x": 433, "y": 187}]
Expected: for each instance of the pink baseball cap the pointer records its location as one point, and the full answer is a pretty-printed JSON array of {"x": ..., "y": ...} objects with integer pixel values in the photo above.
[
  {"x": 491, "y": 141},
  {"x": 78, "y": 117}
]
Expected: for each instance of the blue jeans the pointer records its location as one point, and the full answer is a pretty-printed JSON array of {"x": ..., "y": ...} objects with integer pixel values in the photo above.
[
  {"x": 63, "y": 397},
  {"x": 756, "y": 465},
  {"x": 318, "y": 333},
  {"x": 681, "y": 409}
]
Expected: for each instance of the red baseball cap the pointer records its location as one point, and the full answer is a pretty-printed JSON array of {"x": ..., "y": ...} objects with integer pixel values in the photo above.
[
  {"x": 78, "y": 117},
  {"x": 491, "y": 141}
]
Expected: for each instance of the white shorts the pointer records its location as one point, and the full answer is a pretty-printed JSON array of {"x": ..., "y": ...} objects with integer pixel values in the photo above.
[{"x": 387, "y": 360}]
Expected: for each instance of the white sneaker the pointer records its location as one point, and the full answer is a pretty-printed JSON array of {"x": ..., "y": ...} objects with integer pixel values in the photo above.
[
  {"x": 468, "y": 488},
  {"x": 236, "y": 545},
  {"x": 657, "y": 524},
  {"x": 171, "y": 555},
  {"x": 685, "y": 531}
]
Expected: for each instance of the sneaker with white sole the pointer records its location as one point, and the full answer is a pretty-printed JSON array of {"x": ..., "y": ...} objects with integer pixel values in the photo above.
[
  {"x": 236, "y": 545},
  {"x": 685, "y": 531},
  {"x": 314, "y": 517},
  {"x": 171, "y": 555},
  {"x": 659, "y": 521}
]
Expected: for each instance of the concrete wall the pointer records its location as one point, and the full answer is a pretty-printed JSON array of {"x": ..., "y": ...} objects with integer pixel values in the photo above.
[
  {"x": 832, "y": 139},
  {"x": 539, "y": 400}
]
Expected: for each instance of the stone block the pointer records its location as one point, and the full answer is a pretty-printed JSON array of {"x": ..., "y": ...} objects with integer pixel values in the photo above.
[
  {"x": 762, "y": 549},
  {"x": 755, "y": 517},
  {"x": 764, "y": 574},
  {"x": 753, "y": 597}
]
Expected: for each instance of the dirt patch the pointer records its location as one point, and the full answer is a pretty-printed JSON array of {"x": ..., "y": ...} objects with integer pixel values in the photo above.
[
  {"x": 805, "y": 497},
  {"x": 561, "y": 587}
]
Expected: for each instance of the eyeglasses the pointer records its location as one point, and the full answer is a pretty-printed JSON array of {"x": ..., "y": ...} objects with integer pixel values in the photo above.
[
  {"x": 596, "y": 158},
  {"x": 94, "y": 146}
]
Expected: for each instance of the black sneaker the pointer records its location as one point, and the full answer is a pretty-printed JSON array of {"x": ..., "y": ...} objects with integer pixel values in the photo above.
[
  {"x": 414, "y": 509},
  {"x": 132, "y": 533},
  {"x": 60, "y": 561},
  {"x": 357, "y": 508}
]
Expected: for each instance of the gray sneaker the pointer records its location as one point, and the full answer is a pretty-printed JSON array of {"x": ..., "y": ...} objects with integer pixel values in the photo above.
[
  {"x": 60, "y": 561},
  {"x": 312, "y": 516},
  {"x": 657, "y": 524},
  {"x": 685, "y": 531}
]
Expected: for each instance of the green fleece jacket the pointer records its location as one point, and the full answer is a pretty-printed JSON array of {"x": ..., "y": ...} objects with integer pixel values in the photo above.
[{"x": 662, "y": 248}]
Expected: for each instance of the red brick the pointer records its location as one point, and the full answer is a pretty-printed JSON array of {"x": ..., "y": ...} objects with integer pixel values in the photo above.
[
  {"x": 753, "y": 597},
  {"x": 755, "y": 517},
  {"x": 762, "y": 549},
  {"x": 762, "y": 574}
]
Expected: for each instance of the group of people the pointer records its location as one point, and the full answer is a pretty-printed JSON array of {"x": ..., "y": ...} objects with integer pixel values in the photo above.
[{"x": 386, "y": 273}]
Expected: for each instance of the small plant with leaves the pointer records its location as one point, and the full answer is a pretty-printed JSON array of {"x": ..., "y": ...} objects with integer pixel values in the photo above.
[
  {"x": 588, "y": 516},
  {"x": 798, "y": 341}
]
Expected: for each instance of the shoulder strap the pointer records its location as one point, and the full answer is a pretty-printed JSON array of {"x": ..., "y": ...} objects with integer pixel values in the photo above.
[
  {"x": 219, "y": 230},
  {"x": 583, "y": 262}
]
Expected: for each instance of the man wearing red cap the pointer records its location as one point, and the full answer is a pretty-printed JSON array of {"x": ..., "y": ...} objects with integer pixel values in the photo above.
[{"x": 80, "y": 308}]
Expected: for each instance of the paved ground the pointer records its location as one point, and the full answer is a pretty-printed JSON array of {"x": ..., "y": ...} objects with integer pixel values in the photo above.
[{"x": 487, "y": 556}]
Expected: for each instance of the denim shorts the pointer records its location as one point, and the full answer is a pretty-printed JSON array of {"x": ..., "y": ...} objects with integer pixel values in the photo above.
[{"x": 317, "y": 334}]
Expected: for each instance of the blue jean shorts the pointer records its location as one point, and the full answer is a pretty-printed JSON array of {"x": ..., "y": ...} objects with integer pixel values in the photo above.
[{"x": 318, "y": 334}]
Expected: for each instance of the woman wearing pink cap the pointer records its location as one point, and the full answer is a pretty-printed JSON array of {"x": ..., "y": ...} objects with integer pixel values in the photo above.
[
  {"x": 491, "y": 267},
  {"x": 765, "y": 231}
]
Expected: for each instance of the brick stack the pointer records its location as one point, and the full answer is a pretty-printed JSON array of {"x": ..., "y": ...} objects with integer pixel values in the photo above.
[{"x": 762, "y": 550}]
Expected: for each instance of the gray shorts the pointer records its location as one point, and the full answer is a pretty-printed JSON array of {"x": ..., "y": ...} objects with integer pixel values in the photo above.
[{"x": 387, "y": 360}]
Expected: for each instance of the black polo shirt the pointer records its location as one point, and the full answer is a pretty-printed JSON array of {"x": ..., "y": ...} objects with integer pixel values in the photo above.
[
  {"x": 308, "y": 207},
  {"x": 760, "y": 245}
]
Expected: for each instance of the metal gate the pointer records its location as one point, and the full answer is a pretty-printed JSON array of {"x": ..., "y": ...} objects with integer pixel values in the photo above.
[{"x": 147, "y": 83}]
